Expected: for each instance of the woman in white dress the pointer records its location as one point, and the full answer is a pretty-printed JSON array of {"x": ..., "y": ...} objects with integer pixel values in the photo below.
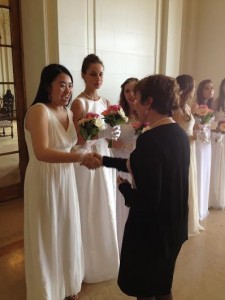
[
  {"x": 123, "y": 147},
  {"x": 185, "y": 119},
  {"x": 52, "y": 233},
  {"x": 96, "y": 189},
  {"x": 205, "y": 94},
  {"x": 217, "y": 187}
]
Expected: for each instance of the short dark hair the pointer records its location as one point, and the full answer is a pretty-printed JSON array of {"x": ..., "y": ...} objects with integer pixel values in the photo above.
[
  {"x": 164, "y": 91},
  {"x": 48, "y": 75},
  {"x": 88, "y": 60}
]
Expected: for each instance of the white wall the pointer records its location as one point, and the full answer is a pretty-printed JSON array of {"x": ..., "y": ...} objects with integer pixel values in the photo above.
[
  {"x": 40, "y": 47},
  {"x": 204, "y": 45},
  {"x": 121, "y": 33},
  {"x": 73, "y": 37},
  {"x": 174, "y": 31},
  {"x": 132, "y": 37}
]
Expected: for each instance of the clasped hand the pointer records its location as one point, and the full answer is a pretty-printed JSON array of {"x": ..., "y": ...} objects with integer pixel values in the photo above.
[{"x": 92, "y": 160}]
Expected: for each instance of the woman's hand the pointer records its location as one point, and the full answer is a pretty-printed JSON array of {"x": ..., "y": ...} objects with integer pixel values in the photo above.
[
  {"x": 121, "y": 180},
  {"x": 90, "y": 161},
  {"x": 98, "y": 157}
]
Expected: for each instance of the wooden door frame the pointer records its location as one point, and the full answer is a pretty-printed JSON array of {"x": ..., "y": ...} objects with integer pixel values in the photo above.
[{"x": 16, "y": 190}]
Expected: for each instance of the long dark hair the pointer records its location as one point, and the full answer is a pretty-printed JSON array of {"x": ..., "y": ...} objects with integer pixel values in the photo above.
[
  {"x": 186, "y": 84},
  {"x": 48, "y": 75},
  {"x": 122, "y": 100},
  {"x": 221, "y": 98},
  {"x": 200, "y": 99}
]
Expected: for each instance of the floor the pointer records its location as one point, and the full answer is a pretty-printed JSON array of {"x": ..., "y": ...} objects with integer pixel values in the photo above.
[{"x": 199, "y": 274}]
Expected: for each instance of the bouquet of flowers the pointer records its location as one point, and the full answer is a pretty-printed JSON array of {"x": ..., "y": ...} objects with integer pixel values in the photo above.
[
  {"x": 204, "y": 114},
  {"x": 220, "y": 131},
  {"x": 114, "y": 115},
  {"x": 90, "y": 125},
  {"x": 221, "y": 126},
  {"x": 139, "y": 127}
]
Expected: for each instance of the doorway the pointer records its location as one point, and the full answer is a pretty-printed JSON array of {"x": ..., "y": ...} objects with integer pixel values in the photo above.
[{"x": 13, "y": 152}]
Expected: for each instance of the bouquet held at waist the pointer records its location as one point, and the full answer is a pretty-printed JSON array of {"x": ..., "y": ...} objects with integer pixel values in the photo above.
[
  {"x": 90, "y": 125},
  {"x": 204, "y": 114},
  {"x": 93, "y": 126},
  {"x": 219, "y": 129},
  {"x": 114, "y": 116},
  {"x": 204, "y": 117}
]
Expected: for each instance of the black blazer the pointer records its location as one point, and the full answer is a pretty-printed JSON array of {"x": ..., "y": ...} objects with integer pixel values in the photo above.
[{"x": 159, "y": 204}]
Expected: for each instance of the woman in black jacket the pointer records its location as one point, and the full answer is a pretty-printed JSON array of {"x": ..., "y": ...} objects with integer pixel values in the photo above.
[{"x": 158, "y": 196}]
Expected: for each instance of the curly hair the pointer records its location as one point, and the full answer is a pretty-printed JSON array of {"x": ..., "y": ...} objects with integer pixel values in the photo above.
[{"x": 164, "y": 91}]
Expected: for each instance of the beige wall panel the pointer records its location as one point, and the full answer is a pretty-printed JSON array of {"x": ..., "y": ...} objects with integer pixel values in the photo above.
[
  {"x": 203, "y": 44},
  {"x": 174, "y": 37},
  {"x": 125, "y": 40},
  {"x": 73, "y": 26},
  {"x": 33, "y": 45}
]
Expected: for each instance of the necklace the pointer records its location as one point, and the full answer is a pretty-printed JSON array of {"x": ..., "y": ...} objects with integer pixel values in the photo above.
[
  {"x": 91, "y": 97},
  {"x": 166, "y": 120}
]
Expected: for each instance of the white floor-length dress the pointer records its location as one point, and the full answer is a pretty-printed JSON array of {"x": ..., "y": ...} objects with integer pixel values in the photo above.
[
  {"x": 203, "y": 157},
  {"x": 128, "y": 137},
  {"x": 194, "y": 226},
  {"x": 52, "y": 231},
  {"x": 217, "y": 186},
  {"x": 97, "y": 198}
]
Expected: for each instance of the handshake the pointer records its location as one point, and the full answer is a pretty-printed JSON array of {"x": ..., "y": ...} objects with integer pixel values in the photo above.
[{"x": 91, "y": 160}]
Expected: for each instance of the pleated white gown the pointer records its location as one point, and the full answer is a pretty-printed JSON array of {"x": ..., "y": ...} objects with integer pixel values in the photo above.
[
  {"x": 203, "y": 156},
  {"x": 97, "y": 198},
  {"x": 52, "y": 232},
  {"x": 128, "y": 137},
  {"x": 194, "y": 226},
  {"x": 217, "y": 186}
]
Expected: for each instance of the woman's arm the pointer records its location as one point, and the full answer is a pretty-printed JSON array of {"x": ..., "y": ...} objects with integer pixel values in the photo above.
[
  {"x": 37, "y": 124},
  {"x": 129, "y": 194},
  {"x": 114, "y": 162},
  {"x": 78, "y": 113}
]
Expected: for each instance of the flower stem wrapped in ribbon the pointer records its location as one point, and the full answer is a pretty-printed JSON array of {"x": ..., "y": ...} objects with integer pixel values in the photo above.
[
  {"x": 114, "y": 115},
  {"x": 90, "y": 125}
]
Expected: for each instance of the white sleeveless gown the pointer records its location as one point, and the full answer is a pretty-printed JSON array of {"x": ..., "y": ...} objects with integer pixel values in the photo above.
[
  {"x": 97, "y": 198},
  {"x": 203, "y": 156},
  {"x": 128, "y": 137},
  {"x": 194, "y": 226},
  {"x": 217, "y": 187},
  {"x": 52, "y": 232}
]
